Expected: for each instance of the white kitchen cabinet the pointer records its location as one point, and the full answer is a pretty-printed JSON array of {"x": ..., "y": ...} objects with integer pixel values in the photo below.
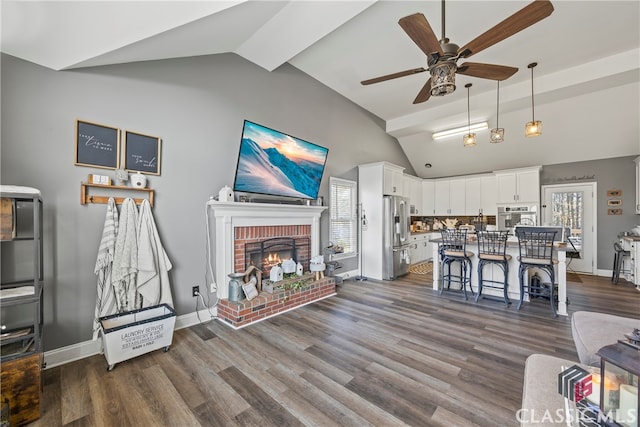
[
  {"x": 419, "y": 247},
  {"x": 473, "y": 195},
  {"x": 413, "y": 190},
  {"x": 441, "y": 197},
  {"x": 519, "y": 185},
  {"x": 637, "y": 161},
  {"x": 450, "y": 196},
  {"x": 428, "y": 197},
  {"x": 489, "y": 195},
  {"x": 393, "y": 180}
]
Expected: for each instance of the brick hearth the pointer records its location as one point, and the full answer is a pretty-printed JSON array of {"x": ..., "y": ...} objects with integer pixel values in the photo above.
[{"x": 265, "y": 305}]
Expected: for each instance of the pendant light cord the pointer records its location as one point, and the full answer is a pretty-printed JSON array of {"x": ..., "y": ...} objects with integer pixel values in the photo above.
[
  {"x": 498, "y": 107},
  {"x": 468, "y": 110},
  {"x": 533, "y": 111},
  {"x": 443, "y": 23}
]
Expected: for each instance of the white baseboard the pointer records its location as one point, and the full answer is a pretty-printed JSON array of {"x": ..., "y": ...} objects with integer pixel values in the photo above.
[{"x": 71, "y": 353}]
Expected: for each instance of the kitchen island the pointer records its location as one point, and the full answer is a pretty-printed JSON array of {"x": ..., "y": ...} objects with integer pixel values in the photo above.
[{"x": 495, "y": 273}]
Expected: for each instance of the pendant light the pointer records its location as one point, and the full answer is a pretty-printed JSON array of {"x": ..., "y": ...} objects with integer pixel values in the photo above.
[
  {"x": 497, "y": 133},
  {"x": 534, "y": 127},
  {"x": 469, "y": 140}
]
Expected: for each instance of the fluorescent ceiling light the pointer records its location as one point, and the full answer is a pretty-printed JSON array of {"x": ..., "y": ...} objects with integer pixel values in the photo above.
[{"x": 460, "y": 130}]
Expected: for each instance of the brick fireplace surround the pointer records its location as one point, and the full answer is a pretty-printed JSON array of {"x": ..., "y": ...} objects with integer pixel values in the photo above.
[{"x": 235, "y": 224}]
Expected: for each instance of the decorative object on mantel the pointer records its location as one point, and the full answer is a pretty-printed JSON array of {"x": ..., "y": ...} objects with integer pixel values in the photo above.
[
  {"x": 138, "y": 180},
  {"x": 251, "y": 273},
  {"x": 275, "y": 275},
  {"x": 225, "y": 194},
  {"x": 497, "y": 133},
  {"x": 299, "y": 270},
  {"x": 235, "y": 287},
  {"x": 469, "y": 140},
  {"x": 250, "y": 289},
  {"x": 534, "y": 127},
  {"x": 288, "y": 266},
  {"x": 85, "y": 197},
  {"x": 317, "y": 266}
]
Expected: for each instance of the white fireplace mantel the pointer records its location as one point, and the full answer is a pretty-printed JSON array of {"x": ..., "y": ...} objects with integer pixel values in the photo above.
[{"x": 228, "y": 215}]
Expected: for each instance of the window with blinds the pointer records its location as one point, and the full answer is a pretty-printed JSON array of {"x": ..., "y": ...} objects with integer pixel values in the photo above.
[{"x": 344, "y": 215}]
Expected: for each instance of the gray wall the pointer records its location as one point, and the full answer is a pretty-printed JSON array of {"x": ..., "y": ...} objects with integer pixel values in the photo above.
[
  {"x": 609, "y": 174},
  {"x": 197, "y": 106}
]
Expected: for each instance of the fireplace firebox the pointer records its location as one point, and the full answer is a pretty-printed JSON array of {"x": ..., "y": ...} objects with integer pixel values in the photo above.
[{"x": 267, "y": 253}]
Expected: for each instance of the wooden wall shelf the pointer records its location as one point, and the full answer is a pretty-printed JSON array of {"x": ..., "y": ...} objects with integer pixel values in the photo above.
[{"x": 85, "y": 197}]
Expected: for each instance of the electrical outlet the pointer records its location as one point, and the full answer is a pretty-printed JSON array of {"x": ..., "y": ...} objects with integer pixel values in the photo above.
[{"x": 195, "y": 291}]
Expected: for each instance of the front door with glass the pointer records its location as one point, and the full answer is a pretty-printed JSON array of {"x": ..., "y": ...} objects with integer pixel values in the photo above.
[{"x": 573, "y": 207}]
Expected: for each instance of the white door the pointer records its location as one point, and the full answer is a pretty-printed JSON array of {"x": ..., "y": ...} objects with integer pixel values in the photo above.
[{"x": 573, "y": 207}]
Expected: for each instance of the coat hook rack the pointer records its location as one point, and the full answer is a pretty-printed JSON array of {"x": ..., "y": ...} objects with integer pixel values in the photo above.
[{"x": 85, "y": 197}]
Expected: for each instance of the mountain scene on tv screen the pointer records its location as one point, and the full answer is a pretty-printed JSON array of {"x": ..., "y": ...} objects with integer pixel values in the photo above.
[{"x": 269, "y": 171}]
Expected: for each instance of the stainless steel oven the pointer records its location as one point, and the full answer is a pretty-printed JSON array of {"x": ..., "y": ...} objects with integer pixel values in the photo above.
[{"x": 510, "y": 216}]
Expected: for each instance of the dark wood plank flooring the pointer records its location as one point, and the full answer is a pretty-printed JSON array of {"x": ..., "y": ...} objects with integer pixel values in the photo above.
[{"x": 378, "y": 354}]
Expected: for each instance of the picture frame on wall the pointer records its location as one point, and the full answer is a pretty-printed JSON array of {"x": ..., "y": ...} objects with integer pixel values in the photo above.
[
  {"x": 96, "y": 145},
  {"x": 142, "y": 153}
]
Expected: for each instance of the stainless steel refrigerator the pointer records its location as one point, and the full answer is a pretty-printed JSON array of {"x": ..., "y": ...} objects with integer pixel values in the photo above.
[{"x": 395, "y": 241}]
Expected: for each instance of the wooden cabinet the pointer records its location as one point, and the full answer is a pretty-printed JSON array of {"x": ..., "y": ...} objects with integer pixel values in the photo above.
[
  {"x": 637, "y": 161},
  {"x": 519, "y": 185},
  {"x": 393, "y": 180},
  {"x": 428, "y": 197}
]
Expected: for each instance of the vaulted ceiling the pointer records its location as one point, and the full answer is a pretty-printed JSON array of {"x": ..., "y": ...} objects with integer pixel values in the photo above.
[{"x": 582, "y": 47}]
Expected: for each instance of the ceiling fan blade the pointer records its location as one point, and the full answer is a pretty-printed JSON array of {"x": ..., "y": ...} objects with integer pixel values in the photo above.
[
  {"x": 393, "y": 76},
  {"x": 486, "y": 71},
  {"x": 425, "y": 93},
  {"x": 418, "y": 28},
  {"x": 525, "y": 17}
]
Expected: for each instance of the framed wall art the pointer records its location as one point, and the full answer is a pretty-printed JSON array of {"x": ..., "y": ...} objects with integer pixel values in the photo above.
[
  {"x": 142, "y": 153},
  {"x": 97, "y": 145}
]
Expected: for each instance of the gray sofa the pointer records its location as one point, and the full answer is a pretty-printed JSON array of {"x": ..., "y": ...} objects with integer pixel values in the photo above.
[{"x": 591, "y": 331}]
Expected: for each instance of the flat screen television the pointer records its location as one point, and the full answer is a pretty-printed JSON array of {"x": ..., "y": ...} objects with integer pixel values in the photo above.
[{"x": 276, "y": 164}]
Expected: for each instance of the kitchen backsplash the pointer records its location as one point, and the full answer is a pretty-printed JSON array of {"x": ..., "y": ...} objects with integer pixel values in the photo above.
[{"x": 425, "y": 223}]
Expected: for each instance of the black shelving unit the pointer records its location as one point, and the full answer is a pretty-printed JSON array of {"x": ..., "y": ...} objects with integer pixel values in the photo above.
[{"x": 21, "y": 286}]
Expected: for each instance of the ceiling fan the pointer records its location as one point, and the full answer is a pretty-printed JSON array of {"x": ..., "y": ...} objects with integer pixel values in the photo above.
[{"x": 442, "y": 56}]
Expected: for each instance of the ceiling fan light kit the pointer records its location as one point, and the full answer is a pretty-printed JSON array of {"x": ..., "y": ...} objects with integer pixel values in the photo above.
[
  {"x": 497, "y": 133},
  {"x": 469, "y": 140},
  {"x": 443, "y": 78},
  {"x": 534, "y": 127}
]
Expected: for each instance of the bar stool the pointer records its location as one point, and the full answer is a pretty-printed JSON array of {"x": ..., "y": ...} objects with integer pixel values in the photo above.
[
  {"x": 454, "y": 250},
  {"x": 536, "y": 251},
  {"x": 618, "y": 257},
  {"x": 492, "y": 250}
]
